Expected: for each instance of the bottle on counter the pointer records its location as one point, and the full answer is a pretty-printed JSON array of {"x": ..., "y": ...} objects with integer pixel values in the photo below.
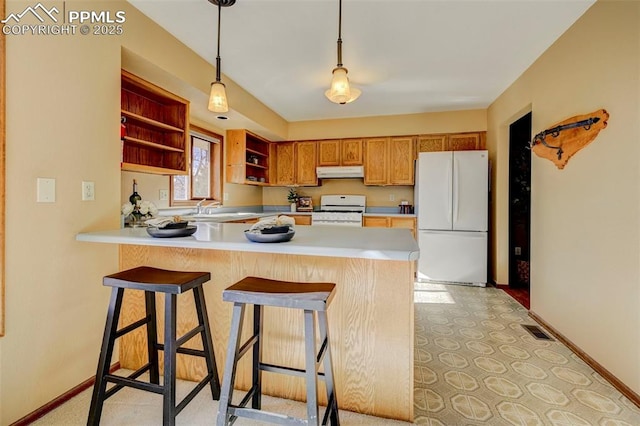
[{"x": 135, "y": 198}]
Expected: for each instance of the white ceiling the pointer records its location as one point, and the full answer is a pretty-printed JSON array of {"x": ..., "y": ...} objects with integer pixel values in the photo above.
[{"x": 407, "y": 56}]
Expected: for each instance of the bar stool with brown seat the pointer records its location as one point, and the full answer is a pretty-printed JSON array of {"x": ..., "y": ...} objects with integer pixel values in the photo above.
[
  {"x": 151, "y": 281},
  {"x": 310, "y": 297}
]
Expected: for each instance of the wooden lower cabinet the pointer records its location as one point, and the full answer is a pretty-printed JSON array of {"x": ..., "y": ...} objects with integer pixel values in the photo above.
[
  {"x": 301, "y": 219},
  {"x": 391, "y": 222}
]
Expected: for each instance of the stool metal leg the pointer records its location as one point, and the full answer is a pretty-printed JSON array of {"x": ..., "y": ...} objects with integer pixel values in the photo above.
[
  {"x": 332, "y": 399},
  {"x": 169, "y": 394},
  {"x": 230, "y": 364},
  {"x": 108, "y": 339},
  {"x": 207, "y": 342},
  {"x": 258, "y": 312},
  {"x": 152, "y": 336},
  {"x": 311, "y": 367}
]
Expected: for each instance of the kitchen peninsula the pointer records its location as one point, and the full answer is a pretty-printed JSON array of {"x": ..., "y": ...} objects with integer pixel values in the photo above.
[{"x": 371, "y": 317}]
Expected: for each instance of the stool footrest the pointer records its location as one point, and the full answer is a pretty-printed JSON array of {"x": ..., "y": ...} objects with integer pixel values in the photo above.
[
  {"x": 133, "y": 375},
  {"x": 185, "y": 351},
  {"x": 265, "y": 416},
  {"x": 247, "y": 345},
  {"x": 132, "y": 326},
  {"x": 286, "y": 370},
  {"x": 187, "y": 399},
  {"x": 126, "y": 381},
  {"x": 188, "y": 336}
]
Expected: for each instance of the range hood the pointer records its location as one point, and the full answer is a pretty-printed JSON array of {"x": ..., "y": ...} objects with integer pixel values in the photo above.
[{"x": 340, "y": 172}]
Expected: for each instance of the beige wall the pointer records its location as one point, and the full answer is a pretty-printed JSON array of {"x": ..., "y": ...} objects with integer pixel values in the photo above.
[
  {"x": 63, "y": 96},
  {"x": 392, "y": 125},
  {"x": 585, "y": 230}
]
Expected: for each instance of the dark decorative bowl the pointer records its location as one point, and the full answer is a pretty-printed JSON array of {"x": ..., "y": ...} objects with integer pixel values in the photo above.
[
  {"x": 269, "y": 238},
  {"x": 276, "y": 230},
  {"x": 175, "y": 225},
  {"x": 171, "y": 233}
]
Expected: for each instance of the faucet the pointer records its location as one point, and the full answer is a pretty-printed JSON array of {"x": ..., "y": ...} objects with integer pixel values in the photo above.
[
  {"x": 199, "y": 206},
  {"x": 215, "y": 204}
]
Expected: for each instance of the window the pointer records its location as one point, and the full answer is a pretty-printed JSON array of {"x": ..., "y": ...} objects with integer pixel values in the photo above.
[{"x": 205, "y": 180}]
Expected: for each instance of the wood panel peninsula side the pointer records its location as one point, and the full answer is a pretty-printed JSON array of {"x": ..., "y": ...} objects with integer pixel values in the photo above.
[{"x": 371, "y": 318}]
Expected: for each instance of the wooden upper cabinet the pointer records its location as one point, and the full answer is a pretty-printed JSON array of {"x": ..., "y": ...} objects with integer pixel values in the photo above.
[
  {"x": 329, "y": 152},
  {"x": 464, "y": 142},
  {"x": 432, "y": 143},
  {"x": 157, "y": 128},
  {"x": 306, "y": 160},
  {"x": 285, "y": 163},
  {"x": 336, "y": 152},
  {"x": 248, "y": 158},
  {"x": 389, "y": 161},
  {"x": 401, "y": 161},
  {"x": 296, "y": 163},
  {"x": 351, "y": 152},
  {"x": 376, "y": 161}
]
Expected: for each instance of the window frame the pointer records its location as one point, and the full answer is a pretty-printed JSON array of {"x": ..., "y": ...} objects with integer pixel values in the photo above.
[{"x": 216, "y": 177}]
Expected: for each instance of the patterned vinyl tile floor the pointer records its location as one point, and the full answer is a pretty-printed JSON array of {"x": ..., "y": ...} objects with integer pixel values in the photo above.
[{"x": 476, "y": 365}]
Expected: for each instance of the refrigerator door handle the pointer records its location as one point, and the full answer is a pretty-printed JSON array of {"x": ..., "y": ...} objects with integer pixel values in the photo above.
[
  {"x": 456, "y": 182},
  {"x": 449, "y": 185}
]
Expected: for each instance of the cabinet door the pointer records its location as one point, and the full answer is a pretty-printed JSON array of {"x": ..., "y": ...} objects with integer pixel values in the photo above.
[
  {"x": 431, "y": 143},
  {"x": 376, "y": 161},
  {"x": 464, "y": 142},
  {"x": 301, "y": 219},
  {"x": 404, "y": 222},
  {"x": 402, "y": 157},
  {"x": 329, "y": 153},
  {"x": 376, "y": 221},
  {"x": 351, "y": 154},
  {"x": 306, "y": 155},
  {"x": 285, "y": 162}
]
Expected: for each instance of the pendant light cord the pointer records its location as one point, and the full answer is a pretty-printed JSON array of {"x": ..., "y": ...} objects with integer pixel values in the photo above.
[
  {"x": 340, "y": 34},
  {"x": 218, "y": 57}
]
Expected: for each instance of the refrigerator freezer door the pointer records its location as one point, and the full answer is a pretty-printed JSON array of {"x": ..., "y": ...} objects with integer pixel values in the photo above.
[
  {"x": 434, "y": 201},
  {"x": 470, "y": 187},
  {"x": 459, "y": 257}
]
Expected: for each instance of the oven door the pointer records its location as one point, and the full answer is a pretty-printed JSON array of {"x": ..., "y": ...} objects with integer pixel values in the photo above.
[{"x": 336, "y": 220}]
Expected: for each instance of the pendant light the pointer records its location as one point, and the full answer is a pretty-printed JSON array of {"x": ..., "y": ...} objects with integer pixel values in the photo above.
[
  {"x": 218, "y": 96},
  {"x": 341, "y": 92}
]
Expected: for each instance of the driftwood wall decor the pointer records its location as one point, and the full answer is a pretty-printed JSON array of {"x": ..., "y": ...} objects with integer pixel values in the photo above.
[{"x": 562, "y": 140}]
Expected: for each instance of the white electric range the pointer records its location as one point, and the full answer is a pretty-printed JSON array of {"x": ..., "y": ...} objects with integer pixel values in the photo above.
[{"x": 340, "y": 210}]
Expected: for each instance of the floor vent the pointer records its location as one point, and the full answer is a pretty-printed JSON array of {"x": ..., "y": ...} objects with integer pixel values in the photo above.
[{"x": 536, "y": 332}]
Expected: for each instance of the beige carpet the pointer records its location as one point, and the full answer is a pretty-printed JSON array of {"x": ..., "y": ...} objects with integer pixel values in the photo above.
[{"x": 138, "y": 408}]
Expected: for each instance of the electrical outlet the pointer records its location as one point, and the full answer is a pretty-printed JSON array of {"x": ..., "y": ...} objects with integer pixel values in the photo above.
[
  {"x": 88, "y": 191},
  {"x": 225, "y": 196},
  {"x": 164, "y": 195},
  {"x": 46, "y": 190},
  {"x": 392, "y": 197},
  {"x": 518, "y": 251}
]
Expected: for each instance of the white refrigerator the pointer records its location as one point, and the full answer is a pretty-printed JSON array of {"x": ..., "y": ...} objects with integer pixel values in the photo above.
[{"x": 451, "y": 201}]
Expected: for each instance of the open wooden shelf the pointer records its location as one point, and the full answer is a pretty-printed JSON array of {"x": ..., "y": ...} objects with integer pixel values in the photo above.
[{"x": 157, "y": 128}]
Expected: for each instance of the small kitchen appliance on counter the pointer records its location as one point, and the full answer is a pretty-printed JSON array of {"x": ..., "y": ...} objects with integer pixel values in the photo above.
[{"x": 340, "y": 210}]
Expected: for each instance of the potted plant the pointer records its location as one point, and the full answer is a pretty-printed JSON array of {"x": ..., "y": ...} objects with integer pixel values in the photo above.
[{"x": 292, "y": 197}]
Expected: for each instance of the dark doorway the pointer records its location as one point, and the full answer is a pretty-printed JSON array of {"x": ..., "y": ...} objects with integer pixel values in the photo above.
[{"x": 519, "y": 202}]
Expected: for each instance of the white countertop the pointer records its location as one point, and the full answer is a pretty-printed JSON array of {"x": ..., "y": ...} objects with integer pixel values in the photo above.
[{"x": 334, "y": 241}]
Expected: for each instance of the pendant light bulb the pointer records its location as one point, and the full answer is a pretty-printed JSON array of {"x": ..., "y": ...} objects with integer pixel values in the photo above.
[
  {"x": 341, "y": 91},
  {"x": 218, "y": 98}
]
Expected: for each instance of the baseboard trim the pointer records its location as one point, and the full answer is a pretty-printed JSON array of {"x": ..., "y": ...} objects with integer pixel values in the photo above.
[
  {"x": 608, "y": 376},
  {"x": 55, "y": 403}
]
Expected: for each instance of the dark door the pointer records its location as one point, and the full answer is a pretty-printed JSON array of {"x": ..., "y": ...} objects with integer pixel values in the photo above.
[{"x": 519, "y": 202}]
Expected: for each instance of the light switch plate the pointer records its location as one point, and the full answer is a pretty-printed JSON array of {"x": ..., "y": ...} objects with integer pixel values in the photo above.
[
  {"x": 88, "y": 191},
  {"x": 46, "y": 190},
  {"x": 164, "y": 195}
]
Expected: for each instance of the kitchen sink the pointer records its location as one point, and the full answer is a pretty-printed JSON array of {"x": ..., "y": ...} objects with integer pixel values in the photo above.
[{"x": 218, "y": 216}]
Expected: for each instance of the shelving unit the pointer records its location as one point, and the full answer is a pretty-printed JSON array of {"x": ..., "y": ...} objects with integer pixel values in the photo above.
[
  {"x": 157, "y": 128},
  {"x": 248, "y": 158}
]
